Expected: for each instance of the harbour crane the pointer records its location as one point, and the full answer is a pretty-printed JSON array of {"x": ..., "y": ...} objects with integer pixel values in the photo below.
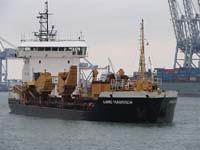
[
  {"x": 193, "y": 30},
  {"x": 187, "y": 33},
  {"x": 5, "y": 53},
  {"x": 178, "y": 20}
]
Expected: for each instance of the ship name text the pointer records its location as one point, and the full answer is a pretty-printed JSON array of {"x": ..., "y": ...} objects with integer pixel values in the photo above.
[{"x": 118, "y": 102}]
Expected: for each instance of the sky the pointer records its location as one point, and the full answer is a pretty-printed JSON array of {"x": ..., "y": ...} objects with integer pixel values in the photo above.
[{"x": 111, "y": 29}]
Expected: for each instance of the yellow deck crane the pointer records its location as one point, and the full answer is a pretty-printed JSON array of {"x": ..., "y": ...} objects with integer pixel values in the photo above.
[
  {"x": 142, "y": 82},
  {"x": 142, "y": 67}
]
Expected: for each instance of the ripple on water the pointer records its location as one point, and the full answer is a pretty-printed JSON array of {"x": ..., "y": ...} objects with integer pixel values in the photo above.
[{"x": 22, "y": 133}]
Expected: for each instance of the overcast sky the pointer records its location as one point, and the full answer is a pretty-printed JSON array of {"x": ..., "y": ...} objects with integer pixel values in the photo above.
[{"x": 110, "y": 27}]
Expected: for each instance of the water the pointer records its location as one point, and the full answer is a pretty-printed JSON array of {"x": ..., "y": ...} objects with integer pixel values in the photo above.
[{"x": 32, "y": 133}]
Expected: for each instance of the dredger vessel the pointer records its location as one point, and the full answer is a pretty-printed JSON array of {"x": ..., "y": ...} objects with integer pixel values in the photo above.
[{"x": 59, "y": 82}]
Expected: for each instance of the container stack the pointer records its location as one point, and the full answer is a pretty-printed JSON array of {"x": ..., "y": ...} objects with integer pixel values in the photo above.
[{"x": 178, "y": 74}]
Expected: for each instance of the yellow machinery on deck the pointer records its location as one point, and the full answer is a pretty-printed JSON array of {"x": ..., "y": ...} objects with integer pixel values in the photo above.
[
  {"x": 44, "y": 84},
  {"x": 67, "y": 82},
  {"x": 62, "y": 76}
]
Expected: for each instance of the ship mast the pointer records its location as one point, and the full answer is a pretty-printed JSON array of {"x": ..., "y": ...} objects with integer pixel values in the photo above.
[
  {"x": 142, "y": 69},
  {"x": 44, "y": 34}
]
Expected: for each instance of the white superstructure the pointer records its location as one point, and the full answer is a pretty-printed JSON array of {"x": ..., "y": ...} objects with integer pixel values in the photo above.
[{"x": 48, "y": 54}]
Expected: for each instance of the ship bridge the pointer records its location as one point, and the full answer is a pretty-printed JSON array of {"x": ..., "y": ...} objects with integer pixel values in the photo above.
[
  {"x": 55, "y": 49},
  {"x": 50, "y": 56}
]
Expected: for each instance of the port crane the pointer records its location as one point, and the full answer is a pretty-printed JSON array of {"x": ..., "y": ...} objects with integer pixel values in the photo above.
[
  {"x": 5, "y": 53},
  {"x": 187, "y": 32},
  {"x": 193, "y": 30}
]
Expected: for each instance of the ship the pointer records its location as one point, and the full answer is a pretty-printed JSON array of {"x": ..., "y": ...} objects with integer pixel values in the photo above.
[
  {"x": 58, "y": 81},
  {"x": 185, "y": 80}
]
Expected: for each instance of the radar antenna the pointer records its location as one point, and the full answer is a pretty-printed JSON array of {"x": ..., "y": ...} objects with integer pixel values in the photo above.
[{"x": 44, "y": 33}]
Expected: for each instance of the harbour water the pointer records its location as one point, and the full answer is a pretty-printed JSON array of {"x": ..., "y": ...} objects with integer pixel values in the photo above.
[{"x": 33, "y": 133}]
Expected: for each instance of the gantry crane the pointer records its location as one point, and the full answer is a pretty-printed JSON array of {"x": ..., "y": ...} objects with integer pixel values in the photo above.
[
  {"x": 5, "y": 53},
  {"x": 180, "y": 30},
  {"x": 193, "y": 30},
  {"x": 187, "y": 32}
]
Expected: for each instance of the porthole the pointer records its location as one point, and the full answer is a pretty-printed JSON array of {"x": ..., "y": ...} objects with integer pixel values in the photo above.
[
  {"x": 39, "y": 61},
  {"x": 68, "y": 61}
]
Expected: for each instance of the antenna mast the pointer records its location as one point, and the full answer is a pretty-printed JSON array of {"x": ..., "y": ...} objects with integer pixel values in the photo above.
[{"x": 44, "y": 34}]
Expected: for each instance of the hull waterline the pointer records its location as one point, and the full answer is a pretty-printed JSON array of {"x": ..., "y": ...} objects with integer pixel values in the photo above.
[{"x": 119, "y": 110}]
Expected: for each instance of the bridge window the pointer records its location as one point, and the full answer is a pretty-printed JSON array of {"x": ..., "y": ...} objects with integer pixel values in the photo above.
[
  {"x": 33, "y": 48},
  {"x": 47, "y": 49},
  {"x": 84, "y": 50},
  {"x": 61, "y": 49},
  {"x": 40, "y": 48},
  {"x": 78, "y": 50},
  {"x": 54, "y": 49}
]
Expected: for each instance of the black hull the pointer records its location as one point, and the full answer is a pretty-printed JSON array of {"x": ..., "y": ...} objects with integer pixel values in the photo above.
[{"x": 138, "y": 110}]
